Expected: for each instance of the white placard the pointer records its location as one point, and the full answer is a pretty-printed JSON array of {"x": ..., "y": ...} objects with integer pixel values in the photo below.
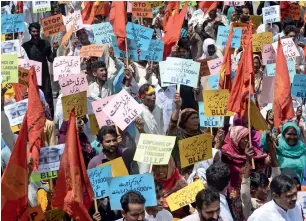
[{"x": 64, "y": 66}]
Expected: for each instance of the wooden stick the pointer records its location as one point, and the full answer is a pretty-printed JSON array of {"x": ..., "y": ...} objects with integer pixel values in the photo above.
[
  {"x": 126, "y": 53},
  {"x": 211, "y": 132},
  {"x": 151, "y": 167},
  {"x": 96, "y": 206},
  {"x": 51, "y": 185},
  {"x": 249, "y": 119},
  {"x": 178, "y": 88}
]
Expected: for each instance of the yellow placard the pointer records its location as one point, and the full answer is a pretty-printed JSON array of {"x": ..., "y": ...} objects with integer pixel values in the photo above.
[
  {"x": 54, "y": 215},
  {"x": 195, "y": 149},
  {"x": 35, "y": 214},
  {"x": 184, "y": 196},
  {"x": 257, "y": 120},
  {"x": 261, "y": 39},
  {"x": 9, "y": 68},
  {"x": 215, "y": 102},
  {"x": 118, "y": 167},
  {"x": 77, "y": 101},
  {"x": 154, "y": 149},
  {"x": 94, "y": 127}
]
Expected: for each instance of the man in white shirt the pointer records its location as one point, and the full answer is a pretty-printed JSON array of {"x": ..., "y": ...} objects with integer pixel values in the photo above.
[
  {"x": 218, "y": 178},
  {"x": 284, "y": 206}
]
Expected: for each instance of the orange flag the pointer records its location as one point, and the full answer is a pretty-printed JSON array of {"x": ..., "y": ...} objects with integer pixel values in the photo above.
[
  {"x": 88, "y": 13},
  {"x": 282, "y": 103},
  {"x": 207, "y": 6},
  {"x": 168, "y": 13},
  {"x": 36, "y": 119},
  {"x": 226, "y": 68},
  {"x": 118, "y": 20},
  {"x": 15, "y": 180},
  {"x": 241, "y": 89},
  {"x": 73, "y": 192}
]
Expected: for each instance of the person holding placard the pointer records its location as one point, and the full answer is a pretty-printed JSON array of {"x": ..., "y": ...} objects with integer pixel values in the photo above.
[{"x": 258, "y": 77}]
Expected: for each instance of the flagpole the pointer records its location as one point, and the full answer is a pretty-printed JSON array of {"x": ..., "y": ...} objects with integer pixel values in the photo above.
[
  {"x": 178, "y": 86},
  {"x": 249, "y": 120}
]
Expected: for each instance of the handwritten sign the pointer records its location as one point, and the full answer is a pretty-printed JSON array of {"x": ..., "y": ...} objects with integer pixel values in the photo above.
[
  {"x": 23, "y": 80},
  {"x": 35, "y": 214},
  {"x": 98, "y": 179},
  {"x": 132, "y": 49},
  {"x": 77, "y": 101},
  {"x": 299, "y": 86},
  {"x": 271, "y": 69},
  {"x": 27, "y": 64},
  {"x": 154, "y": 52},
  {"x": 215, "y": 65},
  {"x": 36, "y": 177},
  {"x": 185, "y": 196},
  {"x": 12, "y": 23},
  {"x": 53, "y": 25},
  {"x": 67, "y": 36},
  {"x": 118, "y": 167},
  {"x": 209, "y": 121},
  {"x": 260, "y": 39},
  {"x": 9, "y": 68},
  {"x": 103, "y": 32},
  {"x": 181, "y": 71},
  {"x": 139, "y": 33},
  {"x": 74, "y": 18},
  {"x": 11, "y": 47},
  {"x": 41, "y": 6},
  {"x": 154, "y": 149},
  {"x": 122, "y": 109},
  {"x": 289, "y": 48},
  {"x": 268, "y": 54},
  {"x": 271, "y": 14},
  {"x": 204, "y": 69},
  {"x": 195, "y": 149},
  {"x": 92, "y": 51},
  {"x": 102, "y": 118},
  {"x": 223, "y": 33},
  {"x": 73, "y": 84},
  {"x": 215, "y": 102},
  {"x": 64, "y": 66},
  {"x": 143, "y": 183},
  {"x": 54, "y": 215},
  {"x": 142, "y": 9}
]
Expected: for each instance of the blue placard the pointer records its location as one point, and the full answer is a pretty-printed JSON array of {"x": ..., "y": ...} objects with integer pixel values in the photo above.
[
  {"x": 143, "y": 183},
  {"x": 132, "y": 49},
  {"x": 103, "y": 32},
  {"x": 223, "y": 33},
  {"x": 209, "y": 121},
  {"x": 271, "y": 69},
  {"x": 281, "y": 35},
  {"x": 213, "y": 81},
  {"x": 139, "y": 33},
  {"x": 154, "y": 53},
  {"x": 298, "y": 88},
  {"x": 13, "y": 23},
  {"x": 98, "y": 179},
  {"x": 236, "y": 38}
]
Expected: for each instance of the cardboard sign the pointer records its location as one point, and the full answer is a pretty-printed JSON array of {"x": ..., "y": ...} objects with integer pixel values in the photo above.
[
  {"x": 77, "y": 101},
  {"x": 36, "y": 177},
  {"x": 94, "y": 126},
  {"x": 102, "y": 118},
  {"x": 103, "y": 32},
  {"x": 122, "y": 109},
  {"x": 185, "y": 196},
  {"x": 67, "y": 36},
  {"x": 98, "y": 179},
  {"x": 215, "y": 65},
  {"x": 23, "y": 75},
  {"x": 92, "y": 51},
  {"x": 271, "y": 69},
  {"x": 142, "y": 9},
  {"x": 73, "y": 84},
  {"x": 27, "y": 64},
  {"x": 195, "y": 149},
  {"x": 54, "y": 215},
  {"x": 154, "y": 149},
  {"x": 9, "y": 68},
  {"x": 204, "y": 69},
  {"x": 64, "y": 66},
  {"x": 118, "y": 167},
  {"x": 11, "y": 47},
  {"x": 143, "y": 183},
  {"x": 261, "y": 39},
  {"x": 74, "y": 18},
  {"x": 41, "y": 6},
  {"x": 215, "y": 102},
  {"x": 154, "y": 53},
  {"x": 139, "y": 33},
  {"x": 268, "y": 54},
  {"x": 35, "y": 214},
  {"x": 289, "y": 48},
  {"x": 12, "y": 23},
  {"x": 271, "y": 14},
  {"x": 209, "y": 121},
  {"x": 299, "y": 86},
  {"x": 53, "y": 25},
  {"x": 132, "y": 49}
]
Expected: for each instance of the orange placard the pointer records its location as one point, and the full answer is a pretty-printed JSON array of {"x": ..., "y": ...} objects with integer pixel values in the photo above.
[
  {"x": 142, "y": 9},
  {"x": 53, "y": 24},
  {"x": 67, "y": 36},
  {"x": 92, "y": 51}
]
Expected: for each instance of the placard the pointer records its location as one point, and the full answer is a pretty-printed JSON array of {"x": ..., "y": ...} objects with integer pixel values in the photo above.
[
  {"x": 185, "y": 196},
  {"x": 289, "y": 48},
  {"x": 154, "y": 52},
  {"x": 215, "y": 102},
  {"x": 64, "y": 66},
  {"x": 271, "y": 69},
  {"x": 195, "y": 149},
  {"x": 122, "y": 109},
  {"x": 261, "y": 39},
  {"x": 266, "y": 95},
  {"x": 132, "y": 49},
  {"x": 67, "y": 36},
  {"x": 41, "y": 6},
  {"x": 143, "y": 183},
  {"x": 35, "y": 214},
  {"x": 102, "y": 118},
  {"x": 298, "y": 88},
  {"x": 244, "y": 28},
  {"x": 15, "y": 112},
  {"x": 204, "y": 69},
  {"x": 271, "y": 14},
  {"x": 154, "y": 149},
  {"x": 234, "y": 4},
  {"x": 197, "y": 16},
  {"x": 209, "y": 121},
  {"x": 27, "y": 64},
  {"x": 268, "y": 54},
  {"x": 54, "y": 215},
  {"x": 94, "y": 126},
  {"x": 92, "y": 50},
  {"x": 9, "y": 68},
  {"x": 118, "y": 167},
  {"x": 103, "y": 33},
  {"x": 36, "y": 177},
  {"x": 77, "y": 101},
  {"x": 142, "y": 10},
  {"x": 11, "y": 47},
  {"x": 12, "y": 23},
  {"x": 73, "y": 84},
  {"x": 223, "y": 34},
  {"x": 73, "y": 18},
  {"x": 142, "y": 35},
  {"x": 53, "y": 25},
  {"x": 98, "y": 179},
  {"x": 215, "y": 66}
]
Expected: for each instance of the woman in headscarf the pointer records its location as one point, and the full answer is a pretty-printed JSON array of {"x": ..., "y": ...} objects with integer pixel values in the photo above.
[
  {"x": 209, "y": 49},
  {"x": 231, "y": 15},
  {"x": 291, "y": 151},
  {"x": 258, "y": 77}
]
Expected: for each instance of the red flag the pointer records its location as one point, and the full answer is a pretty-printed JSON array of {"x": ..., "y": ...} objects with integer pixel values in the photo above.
[
  {"x": 88, "y": 13},
  {"x": 15, "y": 180},
  {"x": 73, "y": 192},
  {"x": 282, "y": 103},
  {"x": 205, "y": 5},
  {"x": 36, "y": 119},
  {"x": 168, "y": 13},
  {"x": 118, "y": 20},
  {"x": 226, "y": 68},
  {"x": 239, "y": 95}
]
